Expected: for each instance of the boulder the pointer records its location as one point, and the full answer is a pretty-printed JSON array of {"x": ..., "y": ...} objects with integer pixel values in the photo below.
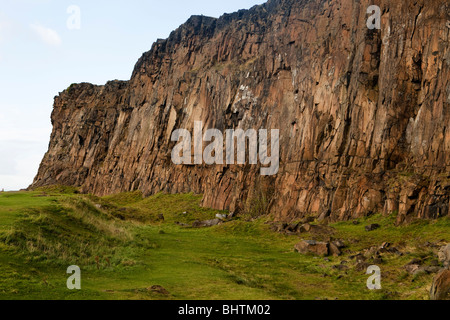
[
  {"x": 444, "y": 255},
  {"x": 292, "y": 228},
  {"x": 305, "y": 228},
  {"x": 440, "y": 290},
  {"x": 334, "y": 250},
  {"x": 314, "y": 247}
]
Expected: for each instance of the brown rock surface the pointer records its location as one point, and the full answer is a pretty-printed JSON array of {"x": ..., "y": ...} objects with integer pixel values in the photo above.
[
  {"x": 313, "y": 247},
  {"x": 444, "y": 256},
  {"x": 364, "y": 115},
  {"x": 334, "y": 250},
  {"x": 440, "y": 289}
]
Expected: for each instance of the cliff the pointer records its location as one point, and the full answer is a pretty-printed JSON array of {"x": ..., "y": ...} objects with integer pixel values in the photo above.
[{"x": 363, "y": 114}]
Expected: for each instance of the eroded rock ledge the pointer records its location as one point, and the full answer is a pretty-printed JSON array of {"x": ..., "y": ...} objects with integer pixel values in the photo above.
[{"x": 364, "y": 114}]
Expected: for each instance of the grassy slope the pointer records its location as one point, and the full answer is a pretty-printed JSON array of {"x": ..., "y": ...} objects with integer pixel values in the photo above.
[{"x": 44, "y": 232}]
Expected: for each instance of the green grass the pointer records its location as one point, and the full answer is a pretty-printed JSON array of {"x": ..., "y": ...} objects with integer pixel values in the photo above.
[{"x": 124, "y": 248}]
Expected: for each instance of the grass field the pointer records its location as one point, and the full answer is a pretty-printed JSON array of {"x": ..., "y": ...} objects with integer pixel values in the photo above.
[{"x": 124, "y": 249}]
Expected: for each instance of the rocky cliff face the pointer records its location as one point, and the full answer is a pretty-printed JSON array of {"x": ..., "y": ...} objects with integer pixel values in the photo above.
[{"x": 364, "y": 115}]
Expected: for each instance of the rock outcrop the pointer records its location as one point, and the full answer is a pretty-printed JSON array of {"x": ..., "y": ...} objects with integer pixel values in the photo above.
[
  {"x": 364, "y": 115},
  {"x": 440, "y": 290},
  {"x": 313, "y": 247},
  {"x": 444, "y": 256}
]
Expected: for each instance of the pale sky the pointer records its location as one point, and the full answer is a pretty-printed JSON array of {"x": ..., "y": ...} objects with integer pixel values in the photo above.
[{"x": 42, "y": 51}]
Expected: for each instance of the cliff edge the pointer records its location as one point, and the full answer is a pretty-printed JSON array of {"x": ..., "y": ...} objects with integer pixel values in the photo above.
[{"x": 364, "y": 115}]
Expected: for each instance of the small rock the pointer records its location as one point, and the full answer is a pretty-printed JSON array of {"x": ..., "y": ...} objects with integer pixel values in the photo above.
[
  {"x": 444, "y": 255},
  {"x": 373, "y": 227},
  {"x": 221, "y": 216},
  {"x": 385, "y": 245},
  {"x": 305, "y": 228},
  {"x": 378, "y": 260},
  {"x": 414, "y": 269},
  {"x": 395, "y": 251},
  {"x": 362, "y": 266},
  {"x": 334, "y": 250},
  {"x": 370, "y": 251},
  {"x": 274, "y": 228},
  {"x": 293, "y": 227},
  {"x": 340, "y": 267},
  {"x": 207, "y": 223},
  {"x": 308, "y": 220},
  {"x": 432, "y": 269},
  {"x": 159, "y": 290},
  {"x": 358, "y": 257},
  {"x": 182, "y": 224},
  {"x": 339, "y": 244}
]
